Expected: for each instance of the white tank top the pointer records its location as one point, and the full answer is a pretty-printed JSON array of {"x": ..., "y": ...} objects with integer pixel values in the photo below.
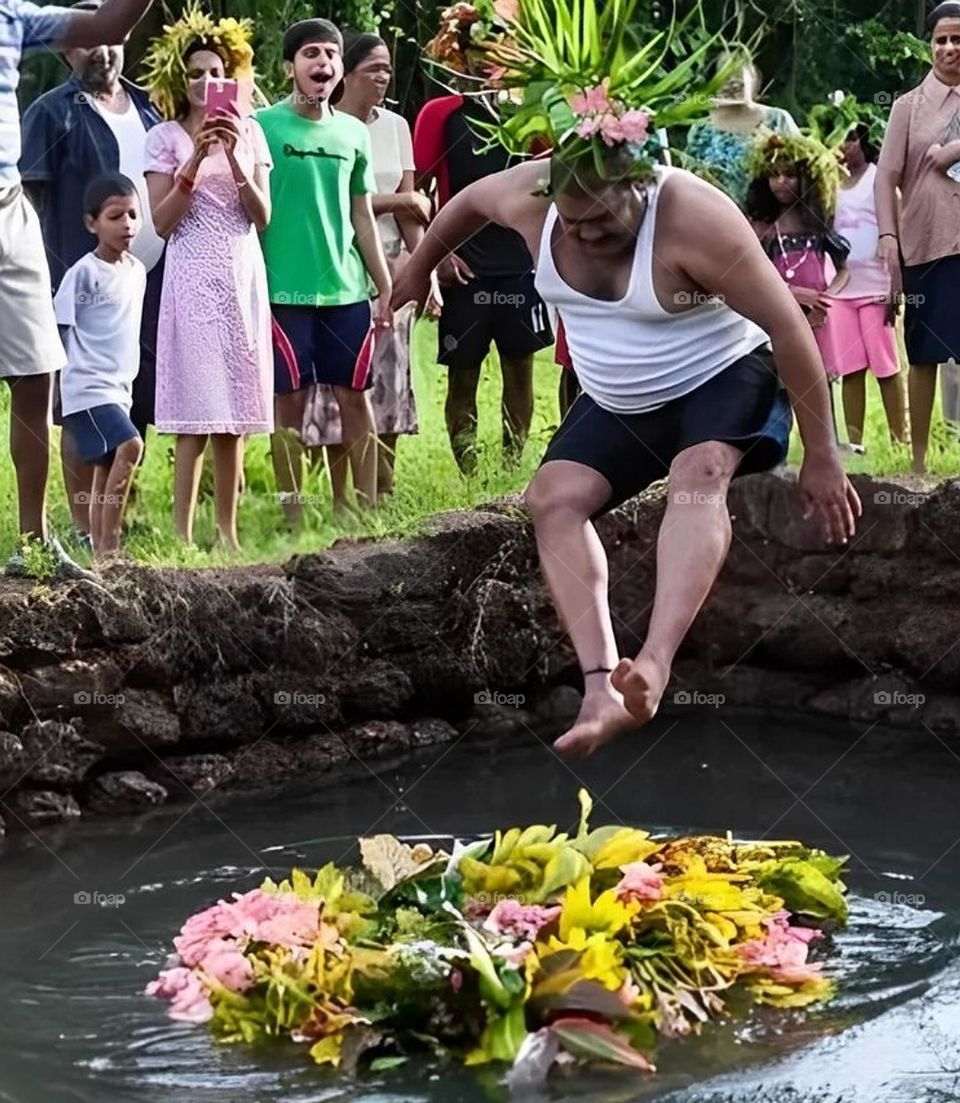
[{"x": 631, "y": 355}]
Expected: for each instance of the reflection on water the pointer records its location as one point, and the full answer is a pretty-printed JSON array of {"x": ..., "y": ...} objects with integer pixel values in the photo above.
[{"x": 75, "y": 1026}]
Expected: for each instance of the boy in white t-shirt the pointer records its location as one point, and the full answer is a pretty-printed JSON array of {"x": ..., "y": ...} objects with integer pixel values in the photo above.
[{"x": 98, "y": 307}]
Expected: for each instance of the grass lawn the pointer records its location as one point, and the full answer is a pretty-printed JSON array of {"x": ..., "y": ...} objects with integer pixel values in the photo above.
[{"x": 427, "y": 477}]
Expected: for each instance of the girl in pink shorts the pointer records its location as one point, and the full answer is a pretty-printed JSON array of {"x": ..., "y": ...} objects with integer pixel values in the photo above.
[{"x": 860, "y": 335}]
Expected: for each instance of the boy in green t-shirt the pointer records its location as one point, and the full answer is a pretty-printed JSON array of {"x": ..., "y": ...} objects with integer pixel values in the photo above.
[{"x": 322, "y": 251}]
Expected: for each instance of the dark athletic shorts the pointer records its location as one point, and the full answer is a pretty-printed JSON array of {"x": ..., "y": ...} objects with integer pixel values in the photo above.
[
  {"x": 505, "y": 311},
  {"x": 744, "y": 405},
  {"x": 322, "y": 344},
  {"x": 100, "y": 432}
]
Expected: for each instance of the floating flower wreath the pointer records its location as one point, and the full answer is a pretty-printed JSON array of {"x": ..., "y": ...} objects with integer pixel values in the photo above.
[
  {"x": 531, "y": 947},
  {"x": 165, "y": 74}
]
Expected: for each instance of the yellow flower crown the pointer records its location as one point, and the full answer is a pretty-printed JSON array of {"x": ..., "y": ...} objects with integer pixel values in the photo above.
[{"x": 165, "y": 74}]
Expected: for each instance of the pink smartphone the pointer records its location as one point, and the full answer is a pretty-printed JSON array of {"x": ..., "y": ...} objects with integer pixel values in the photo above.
[{"x": 230, "y": 96}]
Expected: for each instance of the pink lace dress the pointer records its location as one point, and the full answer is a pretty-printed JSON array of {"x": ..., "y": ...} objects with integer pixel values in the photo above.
[{"x": 214, "y": 344}]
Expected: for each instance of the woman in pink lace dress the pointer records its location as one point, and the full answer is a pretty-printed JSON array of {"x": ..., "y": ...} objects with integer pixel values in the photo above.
[{"x": 208, "y": 178}]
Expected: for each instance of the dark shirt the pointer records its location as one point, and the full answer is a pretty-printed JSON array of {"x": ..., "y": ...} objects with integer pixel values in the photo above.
[
  {"x": 66, "y": 143},
  {"x": 493, "y": 251}
]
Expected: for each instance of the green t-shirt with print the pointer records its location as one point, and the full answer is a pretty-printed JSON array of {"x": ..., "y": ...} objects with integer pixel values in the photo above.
[{"x": 310, "y": 246}]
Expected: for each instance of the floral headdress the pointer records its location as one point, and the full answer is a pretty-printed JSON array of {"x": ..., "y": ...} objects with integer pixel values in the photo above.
[
  {"x": 772, "y": 153},
  {"x": 467, "y": 33},
  {"x": 165, "y": 74},
  {"x": 832, "y": 121},
  {"x": 582, "y": 85}
]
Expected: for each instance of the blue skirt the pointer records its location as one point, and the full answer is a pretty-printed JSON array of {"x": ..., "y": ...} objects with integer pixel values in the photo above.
[{"x": 931, "y": 327}]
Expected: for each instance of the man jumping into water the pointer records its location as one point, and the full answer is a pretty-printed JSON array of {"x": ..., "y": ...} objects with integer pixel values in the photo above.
[{"x": 670, "y": 308}]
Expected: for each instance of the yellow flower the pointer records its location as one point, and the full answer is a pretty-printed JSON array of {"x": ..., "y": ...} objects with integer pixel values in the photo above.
[
  {"x": 601, "y": 958},
  {"x": 327, "y": 1050},
  {"x": 626, "y": 846},
  {"x": 606, "y": 914}
]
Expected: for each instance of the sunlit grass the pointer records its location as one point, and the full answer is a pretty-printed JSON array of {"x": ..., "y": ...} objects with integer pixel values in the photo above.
[{"x": 427, "y": 481}]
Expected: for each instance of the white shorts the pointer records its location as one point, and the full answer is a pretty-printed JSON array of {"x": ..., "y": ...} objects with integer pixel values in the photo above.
[{"x": 30, "y": 344}]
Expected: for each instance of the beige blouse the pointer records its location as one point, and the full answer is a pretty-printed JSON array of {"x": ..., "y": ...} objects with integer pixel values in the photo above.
[{"x": 929, "y": 223}]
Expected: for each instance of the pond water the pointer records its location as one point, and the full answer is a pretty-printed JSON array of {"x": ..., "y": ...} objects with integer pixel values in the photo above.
[{"x": 75, "y": 1027}]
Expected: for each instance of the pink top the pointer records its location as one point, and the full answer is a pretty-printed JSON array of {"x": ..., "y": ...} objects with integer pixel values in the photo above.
[
  {"x": 856, "y": 220},
  {"x": 929, "y": 222}
]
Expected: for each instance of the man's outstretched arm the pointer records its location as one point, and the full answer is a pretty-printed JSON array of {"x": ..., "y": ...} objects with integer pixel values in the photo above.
[
  {"x": 109, "y": 25},
  {"x": 735, "y": 267},
  {"x": 504, "y": 198}
]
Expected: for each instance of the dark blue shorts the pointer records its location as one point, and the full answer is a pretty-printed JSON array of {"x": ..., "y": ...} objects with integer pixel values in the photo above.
[
  {"x": 745, "y": 405},
  {"x": 100, "y": 432},
  {"x": 322, "y": 344}
]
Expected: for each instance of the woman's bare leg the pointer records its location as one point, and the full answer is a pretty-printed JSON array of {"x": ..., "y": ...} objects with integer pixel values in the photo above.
[
  {"x": 187, "y": 468},
  {"x": 227, "y": 466}
]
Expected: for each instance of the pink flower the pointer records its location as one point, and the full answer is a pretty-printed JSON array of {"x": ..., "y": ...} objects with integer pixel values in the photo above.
[
  {"x": 635, "y": 126},
  {"x": 295, "y": 925},
  {"x": 523, "y": 921},
  {"x": 592, "y": 101},
  {"x": 586, "y": 128},
  {"x": 640, "y": 881},
  {"x": 629, "y": 992},
  {"x": 514, "y": 955},
  {"x": 256, "y": 916},
  {"x": 202, "y": 929},
  {"x": 189, "y": 1002},
  {"x": 611, "y": 130},
  {"x": 783, "y": 950},
  {"x": 225, "y": 964}
]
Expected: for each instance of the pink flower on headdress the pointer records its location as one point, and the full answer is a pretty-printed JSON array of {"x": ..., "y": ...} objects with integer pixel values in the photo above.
[
  {"x": 611, "y": 130},
  {"x": 635, "y": 126},
  {"x": 592, "y": 101}
]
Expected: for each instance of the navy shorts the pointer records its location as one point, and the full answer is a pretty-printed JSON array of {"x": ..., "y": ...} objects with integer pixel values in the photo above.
[
  {"x": 99, "y": 432},
  {"x": 745, "y": 405},
  {"x": 505, "y": 311},
  {"x": 322, "y": 344}
]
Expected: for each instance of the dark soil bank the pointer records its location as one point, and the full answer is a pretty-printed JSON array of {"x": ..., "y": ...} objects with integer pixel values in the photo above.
[{"x": 162, "y": 685}]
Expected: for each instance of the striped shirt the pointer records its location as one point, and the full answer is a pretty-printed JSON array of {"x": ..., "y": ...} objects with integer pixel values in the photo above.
[{"x": 23, "y": 26}]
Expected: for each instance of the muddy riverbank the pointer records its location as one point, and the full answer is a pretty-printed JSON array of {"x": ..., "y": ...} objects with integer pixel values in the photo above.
[{"x": 155, "y": 686}]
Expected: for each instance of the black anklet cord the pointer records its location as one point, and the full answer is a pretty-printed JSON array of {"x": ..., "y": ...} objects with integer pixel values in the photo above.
[{"x": 598, "y": 670}]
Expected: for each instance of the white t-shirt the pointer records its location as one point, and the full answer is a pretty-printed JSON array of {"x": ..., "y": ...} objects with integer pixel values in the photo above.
[
  {"x": 856, "y": 220},
  {"x": 131, "y": 137},
  {"x": 101, "y": 304},
  {"x": 392, "y": 156}
]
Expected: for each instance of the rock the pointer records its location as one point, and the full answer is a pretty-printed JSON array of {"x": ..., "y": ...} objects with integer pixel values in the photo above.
[
  {"x": 377, "y": 737},
  {"x": 227, "y": 711},
  {"x": 377, "y": 689},
  {"x": 36, "y": 807},
  {"x": 889, "y": 697},
  {"x": 197, "y": 773},
  {"x": 495, "y": 721},
  {"x": 298, "y": 702},
  {"x": 124, "y": 791},
  {"x": 430, "y": 730},
  {"x": 13, "y": 760},
  {"x": 58, "y": 753},
  {"x": 149, "y": 717},
  {"x": 559, "y": 705}
]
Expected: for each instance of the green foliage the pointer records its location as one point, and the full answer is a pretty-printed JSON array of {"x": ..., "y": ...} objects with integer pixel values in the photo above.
[{"x": 808, "y": 887}]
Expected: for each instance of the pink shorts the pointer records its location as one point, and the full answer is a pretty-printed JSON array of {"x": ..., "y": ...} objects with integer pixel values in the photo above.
[{"x": 855, "y": 336}]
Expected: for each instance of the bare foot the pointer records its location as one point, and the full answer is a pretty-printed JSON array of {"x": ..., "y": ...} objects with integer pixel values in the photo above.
[
  {"x": 642, "y": 682},
  {"x": 601, "y": 718}
]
